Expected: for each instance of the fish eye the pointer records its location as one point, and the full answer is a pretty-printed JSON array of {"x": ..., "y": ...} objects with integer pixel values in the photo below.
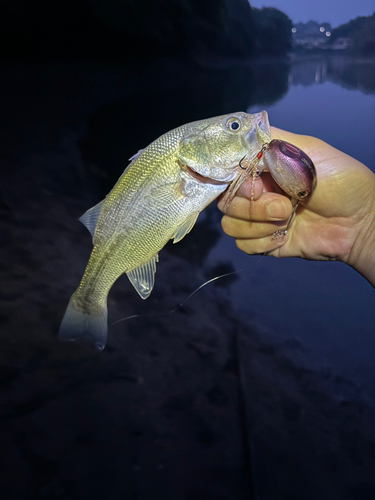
[
  {"x": 233, "y": 124},
  {"x": 303, "y": 194}
]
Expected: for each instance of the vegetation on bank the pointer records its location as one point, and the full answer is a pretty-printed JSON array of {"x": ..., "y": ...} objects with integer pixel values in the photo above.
[
  {"x": 228, "y": 28},
  {"x": 360, "y": 34},
  {"x": 356, "y": 37},
  {"x": 119, "y": 30},
  {"x": 272, "y": 32}
]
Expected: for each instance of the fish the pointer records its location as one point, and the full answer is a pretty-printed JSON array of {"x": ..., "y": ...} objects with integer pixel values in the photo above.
[{"x": 157, "y": 198}]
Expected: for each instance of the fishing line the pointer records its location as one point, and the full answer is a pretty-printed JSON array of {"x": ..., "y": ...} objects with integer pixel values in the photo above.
[
  {"x": 276, "y": 234},
  {"x": 194, "y": 292}
]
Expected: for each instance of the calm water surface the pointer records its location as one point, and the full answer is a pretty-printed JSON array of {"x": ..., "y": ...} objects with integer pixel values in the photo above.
[
  {"x": 327, "y": 307},
  {"x": 194, "y": 405}
]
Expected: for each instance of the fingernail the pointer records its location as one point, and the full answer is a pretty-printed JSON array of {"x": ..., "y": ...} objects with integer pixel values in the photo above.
[{"x": 276, "y": 209}]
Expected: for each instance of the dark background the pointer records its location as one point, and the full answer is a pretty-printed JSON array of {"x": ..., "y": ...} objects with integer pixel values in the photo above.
[{"x": 178, "y": 405}]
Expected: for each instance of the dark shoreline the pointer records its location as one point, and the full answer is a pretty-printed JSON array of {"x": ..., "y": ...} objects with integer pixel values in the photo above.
[{"x": 192, "y": 405}]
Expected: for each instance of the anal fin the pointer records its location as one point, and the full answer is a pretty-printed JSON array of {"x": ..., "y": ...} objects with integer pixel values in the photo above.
[{"x": 143, "y": 277}]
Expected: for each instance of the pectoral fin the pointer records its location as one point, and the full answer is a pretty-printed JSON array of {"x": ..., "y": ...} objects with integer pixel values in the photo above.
[
  {"x": 185, "y": 228},
  {"x": 90, "y": 217},
  {"x": 143, "y": 277},
  {"x": 165, "y": 195}
]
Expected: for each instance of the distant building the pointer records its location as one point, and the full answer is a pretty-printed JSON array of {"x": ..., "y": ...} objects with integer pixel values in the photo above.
[{"x": 311, "y": 34}]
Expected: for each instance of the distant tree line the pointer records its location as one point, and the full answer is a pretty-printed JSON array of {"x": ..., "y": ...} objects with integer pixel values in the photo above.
[
  {"x": 213, "y": 27},
  {"x": 272, "y": 32},
  {"x": 361, "y": 33},
  {"x": 122, "y": 29}
]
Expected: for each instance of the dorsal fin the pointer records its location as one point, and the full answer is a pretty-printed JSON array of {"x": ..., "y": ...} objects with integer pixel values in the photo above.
[
  {"x": 90, "y": 217},
  {"x": 134, "y": 157},
  {"x": 143, "y": 277}
]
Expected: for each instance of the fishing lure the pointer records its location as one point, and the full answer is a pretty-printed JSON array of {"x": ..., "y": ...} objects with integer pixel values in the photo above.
[{"x": 288, "y": 165}]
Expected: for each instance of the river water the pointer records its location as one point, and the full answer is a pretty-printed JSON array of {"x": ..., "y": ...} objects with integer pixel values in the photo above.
[
  {"x": 326, "y": 307},
  {"x": 262, "y": 388}
]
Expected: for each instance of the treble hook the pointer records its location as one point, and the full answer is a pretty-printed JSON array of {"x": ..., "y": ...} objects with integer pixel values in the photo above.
[
  {"x": 282, "y": 232},
  {"x": 242, "y": 159}
]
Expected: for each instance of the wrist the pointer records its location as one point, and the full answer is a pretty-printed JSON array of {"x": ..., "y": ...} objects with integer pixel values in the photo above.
[{"x": 362, "y": 255}]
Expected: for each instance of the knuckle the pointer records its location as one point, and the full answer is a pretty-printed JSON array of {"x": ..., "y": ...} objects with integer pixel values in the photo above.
[
  {"x": 221, "y": 205},
  {"x": 227, "y": 225},
  {"x": 243, "y": 245},
  {"x": 251, "y": 246}
]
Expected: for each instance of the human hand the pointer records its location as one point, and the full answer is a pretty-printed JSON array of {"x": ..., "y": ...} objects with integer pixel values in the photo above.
[{"x": 336, "y": 223}]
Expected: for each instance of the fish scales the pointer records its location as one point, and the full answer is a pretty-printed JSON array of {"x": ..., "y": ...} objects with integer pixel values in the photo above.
[{"x": 157, "y": 198}]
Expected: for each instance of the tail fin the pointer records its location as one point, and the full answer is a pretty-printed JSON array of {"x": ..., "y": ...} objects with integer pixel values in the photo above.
[{"x": 77, "y": 324}]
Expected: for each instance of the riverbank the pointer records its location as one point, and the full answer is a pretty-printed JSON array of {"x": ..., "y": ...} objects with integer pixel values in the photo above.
[{"x": 194, "y": 404}]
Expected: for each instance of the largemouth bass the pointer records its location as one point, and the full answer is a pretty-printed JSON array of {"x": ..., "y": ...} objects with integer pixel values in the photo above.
[{"x": 157, "y": 198}]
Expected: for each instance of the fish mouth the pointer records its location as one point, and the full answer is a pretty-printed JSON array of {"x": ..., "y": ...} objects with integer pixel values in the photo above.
[{"x": 204, "y": 180}]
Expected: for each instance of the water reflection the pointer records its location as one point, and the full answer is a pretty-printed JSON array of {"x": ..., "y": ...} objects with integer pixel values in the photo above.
[
  {"x": 351, "y": 73},
  {"x": 158, "y": 413},
  {"x": 181, "y": 93}
]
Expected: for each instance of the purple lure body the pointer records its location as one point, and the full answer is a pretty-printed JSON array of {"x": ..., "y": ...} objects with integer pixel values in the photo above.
[{"x": 291, "y": 168}]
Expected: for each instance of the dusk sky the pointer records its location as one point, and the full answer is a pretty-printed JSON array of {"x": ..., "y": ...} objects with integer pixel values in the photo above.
[{"x": 335, "y": 12}]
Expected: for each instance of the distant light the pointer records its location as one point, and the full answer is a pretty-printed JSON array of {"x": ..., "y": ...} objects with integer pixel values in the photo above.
[
  {"x": 294, "y": 30},
  {"x": 328, "y": 33},
  {"x": 322, "y": 29}
]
